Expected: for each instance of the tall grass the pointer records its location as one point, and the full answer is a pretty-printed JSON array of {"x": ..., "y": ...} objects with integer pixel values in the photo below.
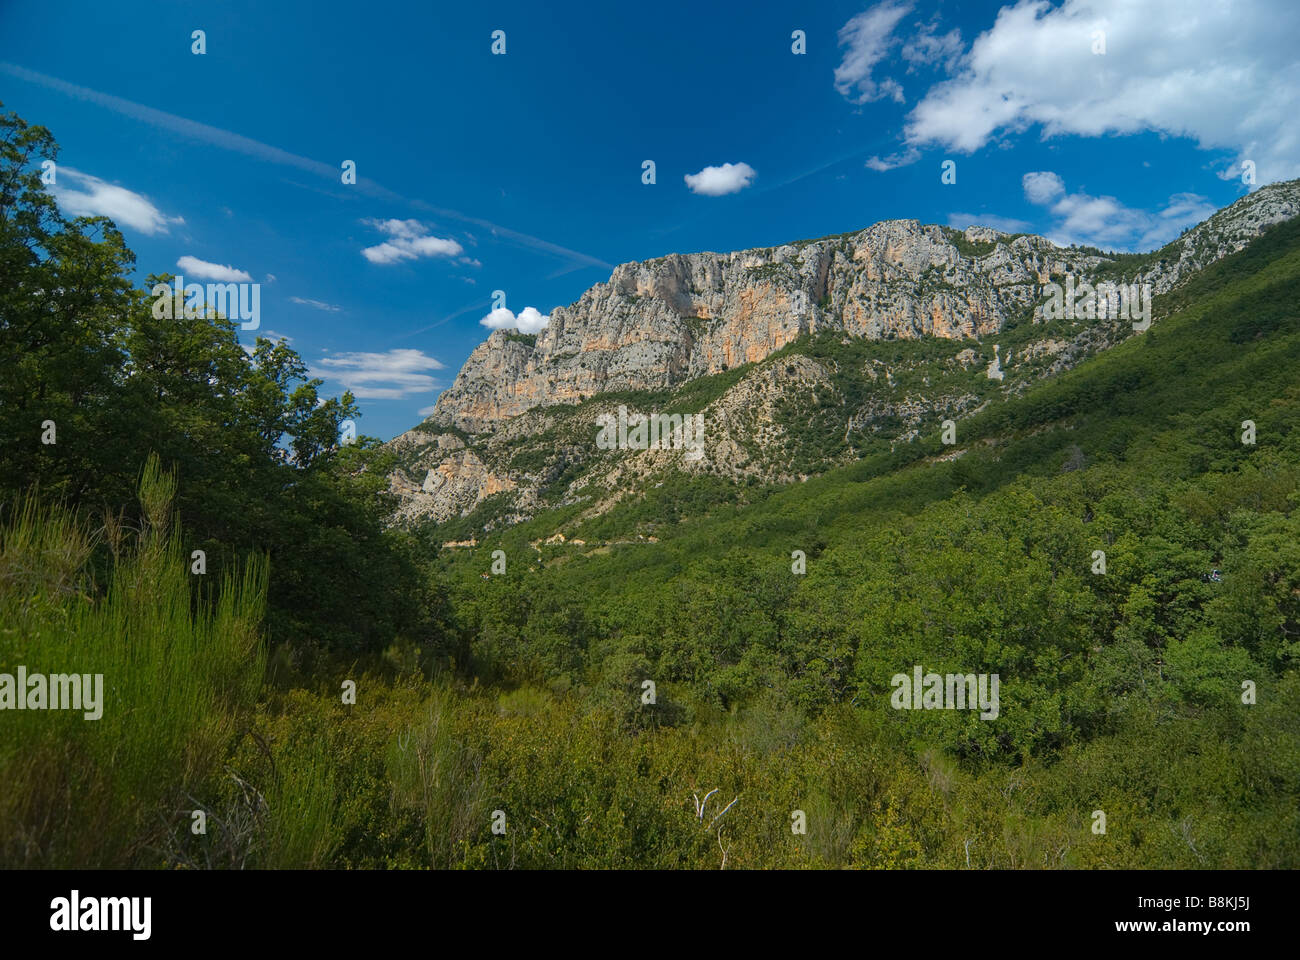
[
  {"x": 436, "y": 774},
  {"x": 179, "y": 670},
  {"x": 302, "y": 832}
]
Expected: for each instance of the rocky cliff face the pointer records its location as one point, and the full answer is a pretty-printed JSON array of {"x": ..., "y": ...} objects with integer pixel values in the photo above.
[
  {"x": 1224, "y": 233},
  {"x": 664, "y": 323}
]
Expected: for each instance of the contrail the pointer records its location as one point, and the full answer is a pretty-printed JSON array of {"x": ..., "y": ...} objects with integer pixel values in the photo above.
[{"x": 237, "y": 143}]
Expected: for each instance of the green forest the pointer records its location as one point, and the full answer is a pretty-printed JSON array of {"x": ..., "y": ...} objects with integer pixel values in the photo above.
[{"x": 1120, "y": 545}]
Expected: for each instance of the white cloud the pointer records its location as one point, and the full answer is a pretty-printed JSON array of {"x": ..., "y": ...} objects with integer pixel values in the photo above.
[
  {"x": 93, "y": 197},
  {"x": 318, "y": 304},
  {"x": 427, "y": 411},
  {"x": 532, "y": 320},
  {"x": 900, "y": 159},
  {"x": 960, "y": 221},
  {"x": 927, "y": 48},
  {"x": 1224, "y": 75},
  {"x": 1042, "y": 186},
  {"x": 228, "y": 140},
  {"x": 381, "y": 376},
  {"x": 719, "y": 181},
  {"x": 271, "y": 335},
  {"x": 401, "y": 229},
  {"x": 408, "y": 240},
  {"x": 1182, "y": 211},
  {"x": 869, "y": 37},
  {"x": 529, "y": 320},
  {"x": 212, "y": 271},
  {"x": 1106, "y": 222}
]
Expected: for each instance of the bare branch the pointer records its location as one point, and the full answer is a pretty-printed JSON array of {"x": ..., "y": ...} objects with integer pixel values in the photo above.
[
  {"x": 724, "y": 810},
  {"x": 700, "y": 804}
]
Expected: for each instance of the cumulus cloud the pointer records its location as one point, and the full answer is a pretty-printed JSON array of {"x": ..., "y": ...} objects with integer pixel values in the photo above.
[
  {"x": 318, "y": 304},
  {"x": 1223, "y": 75},
  {"x": 204, "y": 270},
  {"x": 381, "y": 376},
  {"x": 719, "y": 181},
  {"x": 868, "y": 38},
  {"x": 1108, "y": 223},
  {"x": 408, "y": 240},
  {"x": 1042, "y": 186},
  {"x": 529, "y": 320},
  {"x": 93, "y": 197}
]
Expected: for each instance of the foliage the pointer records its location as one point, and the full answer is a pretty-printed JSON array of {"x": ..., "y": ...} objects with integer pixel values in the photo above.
[
  {"x": 257, "y": 451},
  {"x": 523, "y": 695}
]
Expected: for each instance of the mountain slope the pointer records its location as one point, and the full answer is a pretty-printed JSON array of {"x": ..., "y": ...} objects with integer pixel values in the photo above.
[
  {"x": 800, "y": 357},
  {"x": 1123, "y": 687},
  {"x": 1154, "y": 411}
]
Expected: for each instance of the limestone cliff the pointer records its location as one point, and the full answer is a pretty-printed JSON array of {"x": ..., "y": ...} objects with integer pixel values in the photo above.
[{"x": 504, "y": 426}]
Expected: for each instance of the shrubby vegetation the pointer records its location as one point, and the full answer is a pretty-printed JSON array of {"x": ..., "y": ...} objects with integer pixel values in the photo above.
[
  {"x": 969, "y": 248},
  {"x": 255, "y": 448},
  {"x": 522, "y": 693}
]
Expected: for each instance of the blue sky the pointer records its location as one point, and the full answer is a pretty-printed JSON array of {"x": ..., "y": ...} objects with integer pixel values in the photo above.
[{"x": 523, "y": 172}]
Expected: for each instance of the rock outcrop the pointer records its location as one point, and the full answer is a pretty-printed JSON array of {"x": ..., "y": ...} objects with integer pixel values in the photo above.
[{"x": 663, "y": 323}]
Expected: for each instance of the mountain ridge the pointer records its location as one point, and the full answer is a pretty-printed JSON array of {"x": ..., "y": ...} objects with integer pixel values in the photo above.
[{"x": 677, "y": 322}]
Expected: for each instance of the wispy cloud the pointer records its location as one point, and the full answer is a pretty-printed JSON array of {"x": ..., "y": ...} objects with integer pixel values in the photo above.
[
  {"x": 900, "y": 159},
  {"x": 867, "y": 39},
  {"x": 473, "y": 305},
  {"x": 318, "y": 304},
  {"x": 1105, "y": 221},
  {"x": 271, "y": 335},
  {"x": 93, "y": 197},
  {"x": 928, "y": 47},
  {"x": 381, "y": 376},
  {"x": 237, "y": 143},
  {"x": 212, "y": 271}
]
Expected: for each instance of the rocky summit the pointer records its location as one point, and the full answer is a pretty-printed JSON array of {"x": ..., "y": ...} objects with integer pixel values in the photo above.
[{"x": 729, "y": 331}]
